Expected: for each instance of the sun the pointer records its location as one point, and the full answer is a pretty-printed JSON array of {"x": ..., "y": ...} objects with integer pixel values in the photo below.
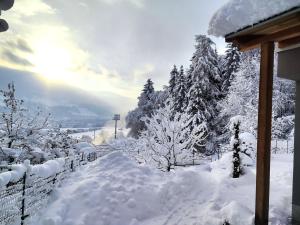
[{"x": 52, "y": 60}]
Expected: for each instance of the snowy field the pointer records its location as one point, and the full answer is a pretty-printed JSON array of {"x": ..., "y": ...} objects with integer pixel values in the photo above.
[
  {"x": 115, "y": 190},
  {"x": 100, "y": 136}
]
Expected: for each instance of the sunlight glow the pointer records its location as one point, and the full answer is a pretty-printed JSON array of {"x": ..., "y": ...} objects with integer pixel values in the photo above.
[{"x": 51, "y": 60}]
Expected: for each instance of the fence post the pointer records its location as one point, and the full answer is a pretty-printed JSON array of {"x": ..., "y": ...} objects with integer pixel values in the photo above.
[
  {"x": 54, "y": 179},
  {"x": 72, "y": 165},
  {"x": 23, "y": 217}
]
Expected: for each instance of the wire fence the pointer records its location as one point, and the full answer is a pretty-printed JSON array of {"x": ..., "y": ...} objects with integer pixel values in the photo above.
[
  {"x": 25, "y": 197},
  {"x": 282, "y": 146}
]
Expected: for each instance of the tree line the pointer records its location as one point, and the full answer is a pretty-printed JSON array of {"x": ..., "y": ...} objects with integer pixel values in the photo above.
[{"x": 200, "y": 101}]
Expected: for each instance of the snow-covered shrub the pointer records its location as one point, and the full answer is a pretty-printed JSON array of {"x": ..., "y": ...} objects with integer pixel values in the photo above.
[
  {"x": 85, "y": 147},
  {"x": 236, "y": 147},
  {"x": 282, "y": 127},
  {"x": 168, "y": 138},
  {"x": 248, "y": 144}
]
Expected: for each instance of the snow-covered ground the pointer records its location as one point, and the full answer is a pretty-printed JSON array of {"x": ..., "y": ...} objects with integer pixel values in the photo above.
[
  {"x": 102, "y": 135},
  {"x": 115, "y": 190}
]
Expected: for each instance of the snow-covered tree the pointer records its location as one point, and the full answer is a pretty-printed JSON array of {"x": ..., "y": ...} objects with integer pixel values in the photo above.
[
  {"x": 146, "y": 106},
  {"x": 168, "y": 139},
  {"x": 204, "y": 90},
  {"x": 11, "y": 116},
  {"x": 231, "y": 65},
  {"x": 180, "y": 92},
  {"x": 173, "y": 82},
  {"x": 21, "y": 130},
  {"x": 242, "y": 98},
  {"x": 283, "y": 108},
  {"x": 236, "y": 147}
]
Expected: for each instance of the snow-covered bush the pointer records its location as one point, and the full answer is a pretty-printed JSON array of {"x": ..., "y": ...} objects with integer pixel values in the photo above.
[
  {"x": 248, "y": 145},
  {"x": 236, "y": 147},
  {"x": 84, "y": 147},
  {"x": 282, "y": 127},
  {"x": 168, "y": 138}
]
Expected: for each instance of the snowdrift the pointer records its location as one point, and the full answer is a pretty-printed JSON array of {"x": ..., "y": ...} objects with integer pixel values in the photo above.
[{"x": 115, "y": 190}]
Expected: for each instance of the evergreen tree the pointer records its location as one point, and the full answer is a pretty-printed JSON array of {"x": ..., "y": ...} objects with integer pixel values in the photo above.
[
  {"x": 204, "y": 90},
  {"x": 236, "y": 147},
  {"x": 231, "y": 65},
  {"x": 180, "y": 90},
  {"x": 146, "y": 106},
  {"x": 173, "y": 82},
  {"x": 242, "y": 98},
  {"x": 145, "y": 102}
]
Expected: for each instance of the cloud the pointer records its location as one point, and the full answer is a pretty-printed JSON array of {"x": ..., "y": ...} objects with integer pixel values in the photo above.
[
  {"x": 105, "y": 47},
  {"x": 20, "y": 44},
  {"x": 11, "y": 57},
  {"x": 29, "y": 8},
  {"x": 136, "y": 3}
]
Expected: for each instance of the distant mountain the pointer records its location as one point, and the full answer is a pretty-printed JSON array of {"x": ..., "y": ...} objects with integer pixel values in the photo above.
[{"x": 68, "y": 106}]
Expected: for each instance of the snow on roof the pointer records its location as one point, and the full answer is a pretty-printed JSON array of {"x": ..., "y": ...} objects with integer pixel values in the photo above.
[{"x": 238, "y": 14}]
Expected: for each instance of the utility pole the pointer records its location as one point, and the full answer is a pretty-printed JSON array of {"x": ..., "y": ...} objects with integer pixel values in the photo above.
[{"x": 116, "y": 118}]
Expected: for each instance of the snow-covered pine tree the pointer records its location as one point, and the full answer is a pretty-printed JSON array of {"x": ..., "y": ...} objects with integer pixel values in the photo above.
[
  {"x": 242, "y": 98},
  {"x": 173, "y": 82},
  {"x": 236, "y": 147},
  {"x": 204, "y": 90},
  {"x": 231, "y": 65},
  {"x": 145, "y": 107},
  {"x": 180, "y": 92}
]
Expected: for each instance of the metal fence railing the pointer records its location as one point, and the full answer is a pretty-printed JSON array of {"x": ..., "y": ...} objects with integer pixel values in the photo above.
[
  {"x": 282, "y": 146},
  {"x": 24, "y": 198}
]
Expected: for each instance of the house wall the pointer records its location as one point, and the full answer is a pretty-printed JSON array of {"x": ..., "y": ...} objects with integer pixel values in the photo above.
[
  {"x": 289, "y": 68},
  {"x": 296, "y": 174},
  {"x": 289, "y": 64}
]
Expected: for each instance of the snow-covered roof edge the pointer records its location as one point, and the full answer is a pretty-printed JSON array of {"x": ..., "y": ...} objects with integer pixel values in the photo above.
[{"x": 238, "y": 15}]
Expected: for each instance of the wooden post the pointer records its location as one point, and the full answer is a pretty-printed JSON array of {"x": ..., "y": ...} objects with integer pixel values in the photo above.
[
  {"x": 264, "y": 134},
  {"x": 116, "y": 122}
]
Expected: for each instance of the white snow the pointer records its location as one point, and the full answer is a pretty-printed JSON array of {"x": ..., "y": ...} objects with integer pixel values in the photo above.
[
  {"x": 84, "y": 147},
  {"x": 115, "y": 190},
  {"x": 49, "y": 168},
  {"x": 237, "y": 14},
  {"x": 45, "y": 170},
  {"x": 16, "y": 173}
]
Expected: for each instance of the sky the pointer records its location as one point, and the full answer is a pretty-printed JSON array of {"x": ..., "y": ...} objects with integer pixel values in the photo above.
[{"x": 105, "y": 49}]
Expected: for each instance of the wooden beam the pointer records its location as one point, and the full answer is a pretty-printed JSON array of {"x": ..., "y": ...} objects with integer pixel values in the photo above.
[
  {"x": 254, "y": 41},
  {"x": 264, "y": 134},
  {"x": 289, "y": 42}
]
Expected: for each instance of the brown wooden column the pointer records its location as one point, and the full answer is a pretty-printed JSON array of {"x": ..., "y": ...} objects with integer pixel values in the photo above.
[{"x": 264, "y": 134}]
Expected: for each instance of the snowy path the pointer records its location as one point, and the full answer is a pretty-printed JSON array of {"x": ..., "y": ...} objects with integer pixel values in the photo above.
[{"x": 114, "y": 190}]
